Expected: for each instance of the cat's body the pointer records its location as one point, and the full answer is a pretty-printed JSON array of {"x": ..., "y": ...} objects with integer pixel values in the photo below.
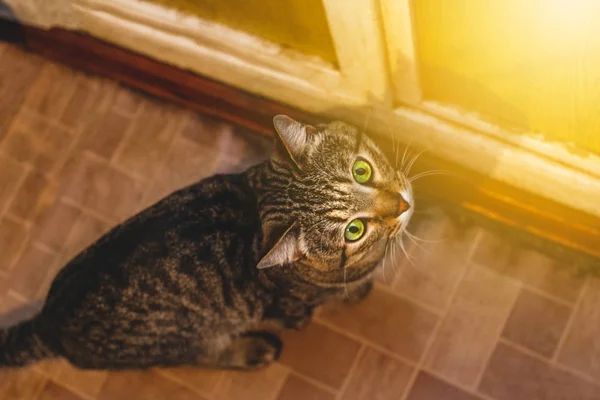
[{"x": 178, "y": 284}]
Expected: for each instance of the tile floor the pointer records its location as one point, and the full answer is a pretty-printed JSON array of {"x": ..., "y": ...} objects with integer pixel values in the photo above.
[{"x": 472, "y": 317}]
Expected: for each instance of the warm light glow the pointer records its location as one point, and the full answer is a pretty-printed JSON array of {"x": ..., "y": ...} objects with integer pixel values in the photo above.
[
  {"x": 568, "y": 21},
  {"x": 528, "y": 65}
]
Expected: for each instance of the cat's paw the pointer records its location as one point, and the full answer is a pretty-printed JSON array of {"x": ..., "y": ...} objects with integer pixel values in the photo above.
[
  {"x": 256, "y": 350},
  {"x": 299, "y": 322},
  {"x": 264, "y": 350}
]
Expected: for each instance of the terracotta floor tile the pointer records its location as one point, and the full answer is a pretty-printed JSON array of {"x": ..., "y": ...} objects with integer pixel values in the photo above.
[
  {"x": 98, "y": 186},
  {"x": 203, "y": 381},
  {"x": 11, "y": 175},
  {"x": 52, "y": 391},
  {"x": 391, "y": 322},
  {"x": 80, "y": 381},
  {"x": 319, "y": 353},
  {"x": 187, "y": 162},
  {"x": 42, "y": 145},
  {"x": 14, "y": 309},
  {"x": 52, "y": 90},
  {"x": 30, "y": 194},
  {"x": 143, "y": 385},
  {"x": 296, "y": 388},
  {"x": 437, "y": 268},
  {"x": 474, "y": 322},
  {"x": 20, "y": 384},
  {"x": 427, "y": 387},
  {"x": 258, "y": 385},
  {"x": 581, "y": 349},
  {"x": 84, "y": 106},
  {"x": 56, "y": 224},
  {"x": 151, "y": 135},
  {"x": 31, "y": 272},
  {"x": 86, "y": 230},
  {"x": 12, "y": 238},
  {"x": 103, "y": 136},
  {"x": 529, "y": 266},
  {"x": 127, "y": 101},
  {"x": 48, "y": 367},
  {"x": 206, "y": 130},
  {"x": 537, "y": 323},
  {"x": 18, "y": 71},
  {"x": 240, "y": 149},
  {"x": 377, "y": 377},
  {"x": 512, "y": 375}
]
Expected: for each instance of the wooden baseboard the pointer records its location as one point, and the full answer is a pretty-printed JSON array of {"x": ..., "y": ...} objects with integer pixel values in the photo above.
[{"x": 493, "y": 201}]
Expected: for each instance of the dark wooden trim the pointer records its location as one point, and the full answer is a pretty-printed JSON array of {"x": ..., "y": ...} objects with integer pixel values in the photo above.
[{"x": 492, "y": 201}]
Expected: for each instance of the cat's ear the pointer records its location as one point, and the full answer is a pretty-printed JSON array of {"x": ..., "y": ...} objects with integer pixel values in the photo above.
[
  {"x": 293, "y": 138},
  {"x": 285, "y": 251}
]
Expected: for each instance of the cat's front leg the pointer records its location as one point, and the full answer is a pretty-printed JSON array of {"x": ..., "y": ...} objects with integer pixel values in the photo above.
[
  {"x": 289, "y": 314},
  {"x": 359, "y": 293}
]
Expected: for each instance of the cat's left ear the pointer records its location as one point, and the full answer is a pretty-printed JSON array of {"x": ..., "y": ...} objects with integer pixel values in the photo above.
[
  {"x": 294, "y": 136},
  {"x": 285, "y": 251}
]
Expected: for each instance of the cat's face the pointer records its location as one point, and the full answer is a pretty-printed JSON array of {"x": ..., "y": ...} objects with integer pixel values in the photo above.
[{"x": 346, "y": 199}]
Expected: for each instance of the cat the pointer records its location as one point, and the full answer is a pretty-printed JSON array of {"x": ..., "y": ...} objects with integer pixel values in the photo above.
[{"x": 198, "y": 277}]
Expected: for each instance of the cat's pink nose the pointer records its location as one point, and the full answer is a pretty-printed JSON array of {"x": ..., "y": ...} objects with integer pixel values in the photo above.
[{"x": 404, "y": 206}]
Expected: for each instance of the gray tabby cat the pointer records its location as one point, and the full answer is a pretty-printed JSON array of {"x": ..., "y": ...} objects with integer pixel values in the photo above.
[{"x": 195, "y": 278}]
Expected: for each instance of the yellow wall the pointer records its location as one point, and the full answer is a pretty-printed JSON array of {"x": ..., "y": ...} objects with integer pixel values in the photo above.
[
  {"x": 531, "y": 64},
  {"x": 298, "y": 24}
]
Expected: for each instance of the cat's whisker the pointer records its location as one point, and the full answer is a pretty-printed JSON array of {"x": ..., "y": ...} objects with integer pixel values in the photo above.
[
  {"x": 429, "y": 173},
  {"x": 412, "y": 162},
  {"x": 415, "y": 237},
  {"x": 395, "y": 256},
  {"x": 405, "y": 154},
  {"x": 408, "y": 256},
  {"x": 412, "y": 239}
]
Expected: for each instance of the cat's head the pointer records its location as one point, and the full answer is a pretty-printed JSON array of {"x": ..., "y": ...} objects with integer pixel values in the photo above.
[{"x": 341, "y": 197}]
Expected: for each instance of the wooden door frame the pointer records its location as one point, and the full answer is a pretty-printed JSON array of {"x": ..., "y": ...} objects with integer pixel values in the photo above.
[{"x": 246, "y": 90}]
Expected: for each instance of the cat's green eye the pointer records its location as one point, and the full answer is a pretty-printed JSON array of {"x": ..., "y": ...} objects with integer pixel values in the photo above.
[
  {"x": 361, "y": 170},
  {"x": 355, "y": 230}
]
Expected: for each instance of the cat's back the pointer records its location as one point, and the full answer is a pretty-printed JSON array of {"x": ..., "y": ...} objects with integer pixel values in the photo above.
[{"x": 193, "y": 234}]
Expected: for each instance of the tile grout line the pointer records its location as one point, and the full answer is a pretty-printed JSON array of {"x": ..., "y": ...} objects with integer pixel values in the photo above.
[
  {"x": 422, "y": 362},
  {"x": 86, "y": 210},
  {"x": 174, "y": 378},
  {"x": 549, "y": 296},
  {"x": 127, "y": 134},
  {"x": 570, "y": 322},
  {"x": 73, "y": 389},
  {"x": 409, "y": 299},
  {"x": 99, "y": 159},
  {"x": 314, "y": 382},
  {"x": 539, "y": 357},
  {"x": 364, "y": 341},
  {"x": 458, "y": 385},
  {"x": 12, "y": 196},
  {"x": 347, "y": 380},
  {"x": 151, "y": 184},
  {"x": 279, "y": 389},
  {"x": 499, "y": 337},
  {"x": 528, "y": 286}
]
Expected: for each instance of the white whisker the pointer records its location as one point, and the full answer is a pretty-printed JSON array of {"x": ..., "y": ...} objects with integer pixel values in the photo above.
[
  {"x": 410, "y": 235},
  {"x": 429, "y": 173},
  {"x": 408, "y": 257},
  {"x": 412, "y": 239},
  {"x": 405, "y": 153},
  {"x": 412, "y": 162}
]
